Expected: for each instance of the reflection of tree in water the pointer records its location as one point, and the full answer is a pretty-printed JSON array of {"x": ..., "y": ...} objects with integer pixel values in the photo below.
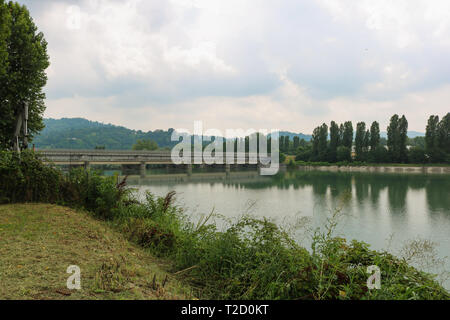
[
  {"x": 361, "y": 187},
  {"x": 367, "y": 186},
  {"x": 397, "y": 191},
  {"x": 438, "y": 194}
]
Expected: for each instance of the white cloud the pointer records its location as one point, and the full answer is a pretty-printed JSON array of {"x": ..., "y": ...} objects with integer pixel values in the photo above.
[{"x": 154, "y": 64}]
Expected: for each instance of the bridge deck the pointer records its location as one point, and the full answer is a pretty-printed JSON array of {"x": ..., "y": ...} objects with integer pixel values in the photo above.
[{"x": 62, "y": 156}]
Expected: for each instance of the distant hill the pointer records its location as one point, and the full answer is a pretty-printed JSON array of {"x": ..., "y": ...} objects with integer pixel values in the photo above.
[
  {"x": 411, "y": 134},
  {"x": 291, "y": 135},
  {"x": 78, "y": 133}
]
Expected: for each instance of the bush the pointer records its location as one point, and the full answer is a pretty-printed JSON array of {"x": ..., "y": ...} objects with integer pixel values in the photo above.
[
  {"x": 344, "y": 154},
  {"x": 27, "y": 179},
  {"x": 417, "y": 155}
]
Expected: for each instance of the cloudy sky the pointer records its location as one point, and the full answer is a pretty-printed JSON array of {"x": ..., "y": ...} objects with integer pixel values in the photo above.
[{"x": 262, "y": 64}]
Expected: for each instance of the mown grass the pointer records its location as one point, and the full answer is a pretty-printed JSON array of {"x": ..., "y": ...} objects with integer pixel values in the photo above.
[{"x": 39, "y": 242}]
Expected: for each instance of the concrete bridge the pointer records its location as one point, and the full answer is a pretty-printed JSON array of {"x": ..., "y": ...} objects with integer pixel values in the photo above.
[{"x": 126, "y": 158}]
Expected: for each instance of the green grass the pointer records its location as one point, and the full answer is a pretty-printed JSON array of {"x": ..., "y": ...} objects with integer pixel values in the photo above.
[{"x": 39, "y": 242}]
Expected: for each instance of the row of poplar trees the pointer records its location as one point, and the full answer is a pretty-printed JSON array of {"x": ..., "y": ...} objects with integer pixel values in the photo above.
[{"x": 367, "y": 145}]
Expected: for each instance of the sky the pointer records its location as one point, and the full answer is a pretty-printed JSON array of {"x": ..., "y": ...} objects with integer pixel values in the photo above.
[{"x": 260, "y": 64}]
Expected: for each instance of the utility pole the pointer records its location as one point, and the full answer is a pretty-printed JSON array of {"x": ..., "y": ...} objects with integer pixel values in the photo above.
[{"x": 21, "y": 124}]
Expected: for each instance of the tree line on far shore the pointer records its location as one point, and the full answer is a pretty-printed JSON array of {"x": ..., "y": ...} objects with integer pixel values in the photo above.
[{"x": 338, "y": 143}]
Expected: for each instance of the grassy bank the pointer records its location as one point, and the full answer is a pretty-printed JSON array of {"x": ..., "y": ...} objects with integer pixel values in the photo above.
[{"x": 40, "y": 241}]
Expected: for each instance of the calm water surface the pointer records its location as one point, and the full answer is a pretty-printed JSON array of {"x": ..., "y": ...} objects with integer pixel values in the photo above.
[{"x": 378, "y": 207}]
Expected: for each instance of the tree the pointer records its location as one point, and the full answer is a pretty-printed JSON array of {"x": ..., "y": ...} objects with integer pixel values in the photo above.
[
  {"x": 431, "y": 138},
  {"x": 366, "y": 144},
  {"x": 304, "y": 153},
  {"x": 380, "y": 155},
  {"x": 359, "y": 141},
  {"x": 443, "y": 138},
  {"x": 315, "y": 144},
  {"x": 344, "y": 154},
  {"x": 403, "y": 138},
  {"x": 347, "y": 135},
  {"x": 323, "y": 142},
  {"x": 22, "y": 70},
  {"x": 286, "y": 144},
  {"x": 341, "y": 134},
  {"x": 397, "y": 137},
  {"x": 296, "y": 143},
  {"x": 334, "y": 142},
  {"x": 416, "y": 155},
  {"x": 393, "y": 138},
  {"x": 374, "y": 135},
  {"x": 4, "y": 35},
  {"x": 145, "y": 144}
]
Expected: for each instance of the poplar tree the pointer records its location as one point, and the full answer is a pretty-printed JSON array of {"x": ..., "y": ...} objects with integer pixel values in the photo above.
[
  {"x": 334, "y": 142},
  {"x": 347, "y": 135},
  {"x": 359, "y": 140},
  {"x": 374, "y": 135},
  {"x": 431, "y": 138},
  {"x": 393, "y": 138}
]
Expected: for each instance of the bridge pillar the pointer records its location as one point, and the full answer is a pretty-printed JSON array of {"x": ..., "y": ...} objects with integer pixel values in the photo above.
[
  {"x": 87, "y": 165},
  {"x": 143, "y": 171},
  {"x": 189, "y": 169},
  {"x": 227, "y": 169}
]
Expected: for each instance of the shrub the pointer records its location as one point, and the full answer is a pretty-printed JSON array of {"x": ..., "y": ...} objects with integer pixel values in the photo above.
[
  {"x": 27, "y": 179},
  {"x": 417, "y": 155}
]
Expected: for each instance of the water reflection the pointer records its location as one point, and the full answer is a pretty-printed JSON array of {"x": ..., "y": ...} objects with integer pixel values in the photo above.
[{"x": 365, "y": 187}]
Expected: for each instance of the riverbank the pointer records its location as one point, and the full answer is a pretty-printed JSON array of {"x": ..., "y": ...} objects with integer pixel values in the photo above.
[
  {"x": 42, "y": 240},
  {"x": 376, "y": 169},
  {"x": 39, "y": 242}
]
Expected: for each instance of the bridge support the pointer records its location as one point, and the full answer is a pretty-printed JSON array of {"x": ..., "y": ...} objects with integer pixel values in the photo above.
[
  {"x": 143, "y": 171},
  {"x": 87, "y": 165},
  {"x": 227, "y": 169},
  {"x": 189, "y": 169}
]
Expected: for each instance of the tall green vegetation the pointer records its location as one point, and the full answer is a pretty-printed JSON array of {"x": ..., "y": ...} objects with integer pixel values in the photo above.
[
  {"x": 23, "y": 61},
  {"x": 444, "y": 136},
  {"x": 334, "y": 142},
  {"x": 5, "y": 31},
  {"x": 370, "y": 147},
  {"x": 319, "y": 143},
  {"x": 437, "y": 139},
  {"x": 347, "y": 135},
  {"x": 397, "y": 138},
  {"x": 360, "y": 141}
]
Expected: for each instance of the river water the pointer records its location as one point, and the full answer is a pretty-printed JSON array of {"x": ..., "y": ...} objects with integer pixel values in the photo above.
[{"x": 384, "y": 210}]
